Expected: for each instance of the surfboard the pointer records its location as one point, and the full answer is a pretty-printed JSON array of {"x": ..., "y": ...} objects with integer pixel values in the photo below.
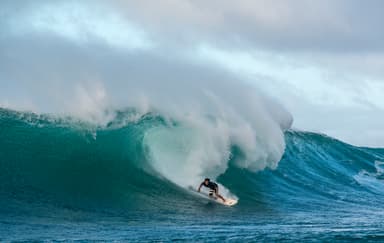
[{"x": 204, "y": 194}]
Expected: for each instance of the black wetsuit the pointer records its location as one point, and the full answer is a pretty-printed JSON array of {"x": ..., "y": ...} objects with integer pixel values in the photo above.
[{"x": 211, "y": 185}]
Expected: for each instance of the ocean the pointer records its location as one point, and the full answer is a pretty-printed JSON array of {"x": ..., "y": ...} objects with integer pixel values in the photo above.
[{"x": 65, "y": 179}]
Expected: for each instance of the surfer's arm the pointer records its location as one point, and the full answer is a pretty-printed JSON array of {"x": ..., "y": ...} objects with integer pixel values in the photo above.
[{"x": 198, "y": 189}]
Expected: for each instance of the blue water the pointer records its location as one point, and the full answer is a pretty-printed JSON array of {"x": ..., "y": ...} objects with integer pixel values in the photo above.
[{"x": 63, "y": 179}]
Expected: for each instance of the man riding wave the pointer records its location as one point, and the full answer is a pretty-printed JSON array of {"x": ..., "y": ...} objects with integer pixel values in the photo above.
[{"x": 214, "y": 188}]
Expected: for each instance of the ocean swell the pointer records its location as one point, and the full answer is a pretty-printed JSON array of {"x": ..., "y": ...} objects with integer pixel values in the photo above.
[{"x": 146, "y": 161}]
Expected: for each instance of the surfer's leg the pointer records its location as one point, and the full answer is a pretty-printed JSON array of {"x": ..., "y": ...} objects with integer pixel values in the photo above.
[{"x": 218, "y": 195}]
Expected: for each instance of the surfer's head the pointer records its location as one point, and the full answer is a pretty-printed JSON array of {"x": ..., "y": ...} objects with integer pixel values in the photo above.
[{"x": 206, "y": 181}]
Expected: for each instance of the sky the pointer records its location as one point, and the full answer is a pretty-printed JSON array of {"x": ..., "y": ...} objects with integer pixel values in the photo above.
[{"x": 322, "y": 60}]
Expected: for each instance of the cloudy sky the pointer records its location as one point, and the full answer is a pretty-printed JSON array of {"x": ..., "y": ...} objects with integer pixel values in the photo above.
[{"x": 322, "y": 60}]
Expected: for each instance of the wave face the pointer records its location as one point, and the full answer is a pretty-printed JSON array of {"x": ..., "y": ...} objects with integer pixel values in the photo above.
[
  {"x": 144, "y": 162},
  {"x": 127, "y": 180}
]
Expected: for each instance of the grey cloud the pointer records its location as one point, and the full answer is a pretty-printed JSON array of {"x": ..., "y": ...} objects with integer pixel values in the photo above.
[
  {"x": 346, "y": 26},
  {"x": 342, "y": 25}
]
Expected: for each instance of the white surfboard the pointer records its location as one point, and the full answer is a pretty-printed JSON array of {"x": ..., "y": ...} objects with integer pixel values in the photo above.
[{"x": 205, "y": 194}]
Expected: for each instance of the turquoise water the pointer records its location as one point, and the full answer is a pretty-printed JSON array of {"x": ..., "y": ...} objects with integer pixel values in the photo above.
[{"x": 64, "y": 179}]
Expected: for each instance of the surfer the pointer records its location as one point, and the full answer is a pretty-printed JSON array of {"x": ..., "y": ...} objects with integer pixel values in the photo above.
[{"x": 214, "y": 188}]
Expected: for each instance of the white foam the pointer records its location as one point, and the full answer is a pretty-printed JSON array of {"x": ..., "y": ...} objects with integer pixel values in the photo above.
[
  {"x": 372, "y": 181},
  {"x": 200, "y": 145},
  {"x": 379, "y": 168}
]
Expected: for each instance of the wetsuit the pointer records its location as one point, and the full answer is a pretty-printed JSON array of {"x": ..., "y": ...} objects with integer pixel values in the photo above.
[{"x": 211, "y": 185}]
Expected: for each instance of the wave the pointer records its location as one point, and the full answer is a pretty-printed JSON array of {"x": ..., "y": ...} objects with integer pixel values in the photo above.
[{"x": 147, "y": 161}]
